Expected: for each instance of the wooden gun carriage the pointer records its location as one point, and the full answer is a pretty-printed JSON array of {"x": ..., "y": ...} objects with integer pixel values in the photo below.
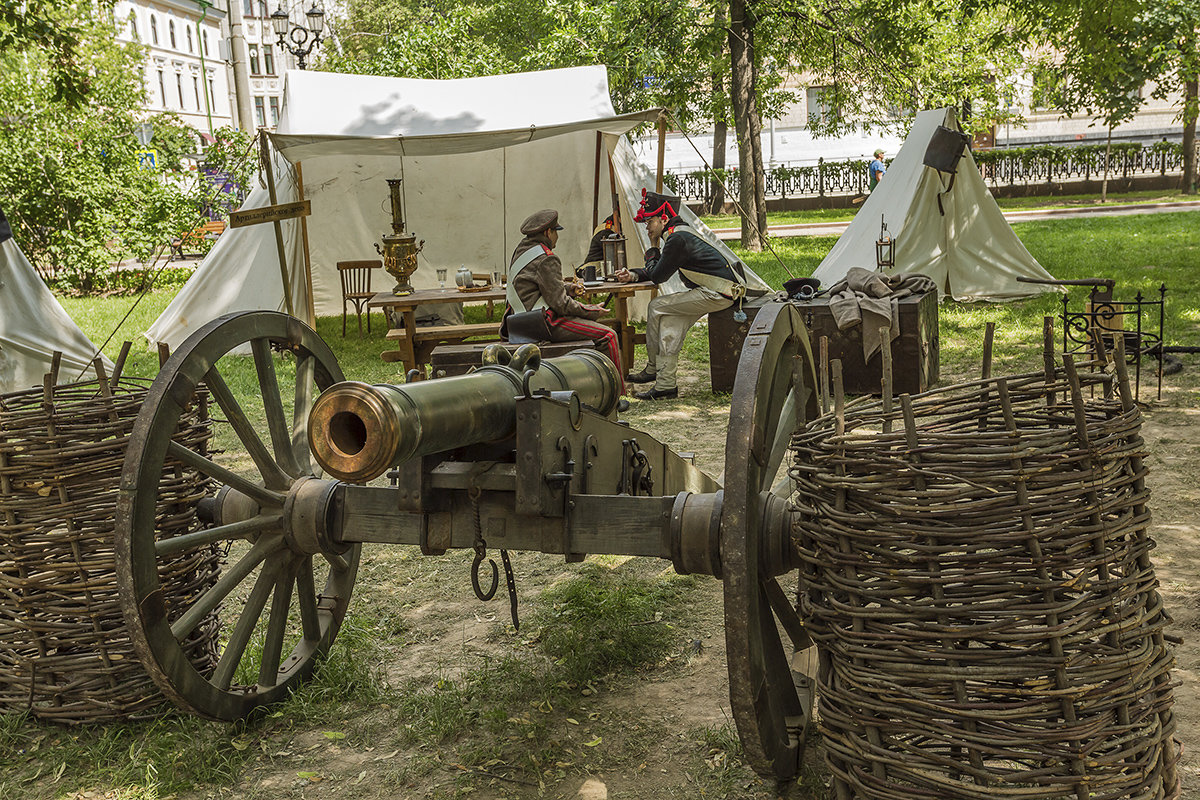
[{"x": 521, "y": 454}]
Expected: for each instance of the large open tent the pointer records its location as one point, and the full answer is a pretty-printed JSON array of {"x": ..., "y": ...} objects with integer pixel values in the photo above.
[{"x": 476, "y": 156}]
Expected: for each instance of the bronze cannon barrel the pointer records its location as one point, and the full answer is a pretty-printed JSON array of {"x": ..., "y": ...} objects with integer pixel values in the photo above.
[{"x": 357, "y": 431}]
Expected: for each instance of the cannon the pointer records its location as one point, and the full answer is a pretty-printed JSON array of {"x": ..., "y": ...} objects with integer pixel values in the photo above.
[{"x": 522, "y": 454}]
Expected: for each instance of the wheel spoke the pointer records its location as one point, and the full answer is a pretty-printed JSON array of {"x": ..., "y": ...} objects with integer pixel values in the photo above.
[
  {"x": 268, "y": 670},
  {"x": 247, "y": 621},
  {"x": 213, "y": 470},
  {"x": 221, "y": 533},
  {"x": 306, "y": 371},
  {"x": 782, "y": 437},
  {"x": 224, "y": 585},
  {"x": 336, "y": 561},
  {"x": 785, "y": 612},
  {"x": 281, "y": 438},
  {"x": 306, "y": 594},
  {"x": 273, "y": 476}
]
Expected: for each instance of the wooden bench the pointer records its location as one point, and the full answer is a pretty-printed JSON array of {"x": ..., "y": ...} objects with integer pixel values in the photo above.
[
  {"x": 424, "y": 339},
  {"x": 208, "y": 231}
]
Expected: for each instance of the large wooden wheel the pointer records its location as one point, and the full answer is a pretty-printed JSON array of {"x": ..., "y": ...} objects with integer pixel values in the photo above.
[
  {"x": 280, "y": 592},
  {"x": 771, "y": 683}
]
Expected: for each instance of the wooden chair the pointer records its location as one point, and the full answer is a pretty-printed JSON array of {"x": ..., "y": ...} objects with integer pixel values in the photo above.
[{"x": 356, "y": 289}]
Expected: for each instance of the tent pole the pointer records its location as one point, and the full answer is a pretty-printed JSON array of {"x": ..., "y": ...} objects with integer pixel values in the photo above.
[
  {"x": 312, "y": 306},
  {"x": 283, "y": 269},
  {"x": 662, "y": 147},
  {"x": 616, "y": 202},
  {"x": 596, "y": 183}
]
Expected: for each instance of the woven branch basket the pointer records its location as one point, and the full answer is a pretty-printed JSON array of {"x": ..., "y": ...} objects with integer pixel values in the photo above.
[
  {"x": 64, "y": 652},
  {"x": 976, "y": 571}
]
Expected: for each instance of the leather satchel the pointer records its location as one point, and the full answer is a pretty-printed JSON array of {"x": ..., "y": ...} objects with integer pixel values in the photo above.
[{"x": 528, "y": 326}]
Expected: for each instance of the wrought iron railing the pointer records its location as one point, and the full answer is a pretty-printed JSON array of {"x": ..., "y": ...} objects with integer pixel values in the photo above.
[{"x": 1004, "y": 167}]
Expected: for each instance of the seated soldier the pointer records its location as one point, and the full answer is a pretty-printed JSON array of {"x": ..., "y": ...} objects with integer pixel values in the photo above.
[
  {"x": 535, "y": 282},
  {"x": 712, "y": 284}
]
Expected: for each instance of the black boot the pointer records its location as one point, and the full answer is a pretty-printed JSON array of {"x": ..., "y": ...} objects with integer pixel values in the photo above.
[
  {"x": 657, "y": 394},
  {"x": 640, "y": 377}
]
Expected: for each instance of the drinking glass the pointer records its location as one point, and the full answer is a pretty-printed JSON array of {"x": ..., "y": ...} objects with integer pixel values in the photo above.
[{"x": 441, "y": 273}]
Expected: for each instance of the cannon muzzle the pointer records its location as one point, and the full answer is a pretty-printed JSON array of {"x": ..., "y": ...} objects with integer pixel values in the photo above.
[{"x": 357, "y": 431}]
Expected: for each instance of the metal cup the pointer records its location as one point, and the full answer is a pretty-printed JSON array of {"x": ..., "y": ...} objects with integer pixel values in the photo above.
[{"x": 589, "y": 272}]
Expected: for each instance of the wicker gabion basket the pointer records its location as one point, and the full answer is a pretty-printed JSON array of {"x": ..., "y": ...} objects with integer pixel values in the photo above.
[
  {"x": 976, "y": 571},
  {"x": 64, "y": 653}
]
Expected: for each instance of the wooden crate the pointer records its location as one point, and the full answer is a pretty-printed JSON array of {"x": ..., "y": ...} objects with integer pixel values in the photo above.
[{"x": 915, "y": 355}]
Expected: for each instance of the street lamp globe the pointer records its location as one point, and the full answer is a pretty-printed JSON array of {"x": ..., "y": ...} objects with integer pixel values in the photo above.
[
  {"x": 316, "y": 19},
  {"x": 280, "y": 21}
]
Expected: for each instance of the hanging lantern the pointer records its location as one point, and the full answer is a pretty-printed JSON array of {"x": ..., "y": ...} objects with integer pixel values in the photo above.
[
  {"x": 614, "y": 254},
  {"x": 885, "y": 248}
]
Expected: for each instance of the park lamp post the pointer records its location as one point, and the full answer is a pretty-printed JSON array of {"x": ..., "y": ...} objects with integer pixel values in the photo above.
[{"x": 295, "y": 39}]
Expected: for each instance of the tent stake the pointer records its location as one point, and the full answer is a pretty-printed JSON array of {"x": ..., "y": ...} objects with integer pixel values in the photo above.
[
  {"x": 596, "y": 183},
  {"x": 616, "y": 202},
  {"x": 283, "y": 270},
  {"x": 662, "y": 147}
]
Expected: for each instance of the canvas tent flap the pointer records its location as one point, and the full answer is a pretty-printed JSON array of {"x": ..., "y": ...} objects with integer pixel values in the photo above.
[
  {"x": 33, "y": 326},
  {"x": 965, "y": 245}
]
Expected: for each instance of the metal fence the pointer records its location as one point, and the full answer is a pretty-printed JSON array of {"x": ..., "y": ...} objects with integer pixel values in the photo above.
[{"x": 999, "y": 168}]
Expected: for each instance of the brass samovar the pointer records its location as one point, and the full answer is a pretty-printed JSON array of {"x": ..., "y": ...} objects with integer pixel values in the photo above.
[{"x": 399, "y": 249}]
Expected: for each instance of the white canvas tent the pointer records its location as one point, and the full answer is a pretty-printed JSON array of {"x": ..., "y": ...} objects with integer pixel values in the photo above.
[
  {"x": 33, "y": 325},
  {"x": 966, "y": 246},
  {"x": 476, "y": 155}
]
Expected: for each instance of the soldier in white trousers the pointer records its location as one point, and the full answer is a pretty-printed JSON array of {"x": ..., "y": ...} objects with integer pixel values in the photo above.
[{"x": 712, "y": 284}]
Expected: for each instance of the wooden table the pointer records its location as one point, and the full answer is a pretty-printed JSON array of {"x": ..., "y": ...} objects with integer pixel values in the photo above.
[{"x": 415, "y": 344}]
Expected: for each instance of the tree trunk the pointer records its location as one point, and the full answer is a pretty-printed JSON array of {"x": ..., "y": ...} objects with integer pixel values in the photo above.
[
  {"x": 1189, "y": 134},
  {"x": 716, "y": 191},
  {"x": 745, "y": 111},
  {"x": 1107, "y": 159},
  {"x": 716, "y": 186}
]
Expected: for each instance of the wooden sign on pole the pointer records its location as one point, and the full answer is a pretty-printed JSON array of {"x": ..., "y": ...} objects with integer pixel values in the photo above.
[{"x": 273, "y": 213}]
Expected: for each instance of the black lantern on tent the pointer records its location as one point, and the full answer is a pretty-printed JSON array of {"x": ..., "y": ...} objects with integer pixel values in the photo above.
[
  {"x": 885, "y": 247},
  {"x": 302, "y": 40}
]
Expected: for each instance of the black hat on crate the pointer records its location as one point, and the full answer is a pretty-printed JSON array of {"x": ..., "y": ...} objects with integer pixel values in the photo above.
[
  {"x": 539, "y": 221},
  {"x": 656, "y": 205}
]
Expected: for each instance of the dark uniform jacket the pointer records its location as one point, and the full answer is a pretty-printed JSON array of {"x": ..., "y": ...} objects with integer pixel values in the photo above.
[
  {"x": 684, "y": 250},
  {"x": 543, "y": 278}
]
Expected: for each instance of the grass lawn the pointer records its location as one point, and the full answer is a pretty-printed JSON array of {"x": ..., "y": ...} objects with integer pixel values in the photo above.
[{"x": 1005, "y": 203}]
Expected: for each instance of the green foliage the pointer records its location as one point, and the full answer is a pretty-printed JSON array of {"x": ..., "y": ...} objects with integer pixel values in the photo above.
[
  {"x": 69, "y": 175},
  {"x": 50, "y": 28},
  {"x": 173, "y": 139},
  {"x": 231, "y": 155}
]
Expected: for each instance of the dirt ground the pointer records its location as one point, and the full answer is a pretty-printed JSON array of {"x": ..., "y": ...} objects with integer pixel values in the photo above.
[{"x": 665, "y": 733}]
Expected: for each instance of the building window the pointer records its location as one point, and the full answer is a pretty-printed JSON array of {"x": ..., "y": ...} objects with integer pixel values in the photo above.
[
  {"x": 153, "y": 30},
  {"x": 162, "y": 89},
  {"x": 133, "y": 31},
  {"x": 189, "y": 39},
  {"x": 260, "y": 112},
  {"x": 274, "y": 111},
  {"x": 196, "y": 90},
  {"x": 818, "y": 109},
  {"x": 254, "y": 60},
  {"x": 204, "y": 42},
  {"x": 171, "y": 28},
  {"x": 179, "y": 89},
  {"x": 248, "y": 8},
  {"x": 268, "y": 60},
  {"x": 212, "y": 94}
]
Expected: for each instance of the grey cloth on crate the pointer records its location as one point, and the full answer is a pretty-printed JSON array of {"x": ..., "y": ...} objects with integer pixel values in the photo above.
[{"x": 869, "y": 298}]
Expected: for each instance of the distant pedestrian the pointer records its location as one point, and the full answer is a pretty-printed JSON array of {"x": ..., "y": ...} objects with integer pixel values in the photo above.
[{"x": 875, "y": 171}]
